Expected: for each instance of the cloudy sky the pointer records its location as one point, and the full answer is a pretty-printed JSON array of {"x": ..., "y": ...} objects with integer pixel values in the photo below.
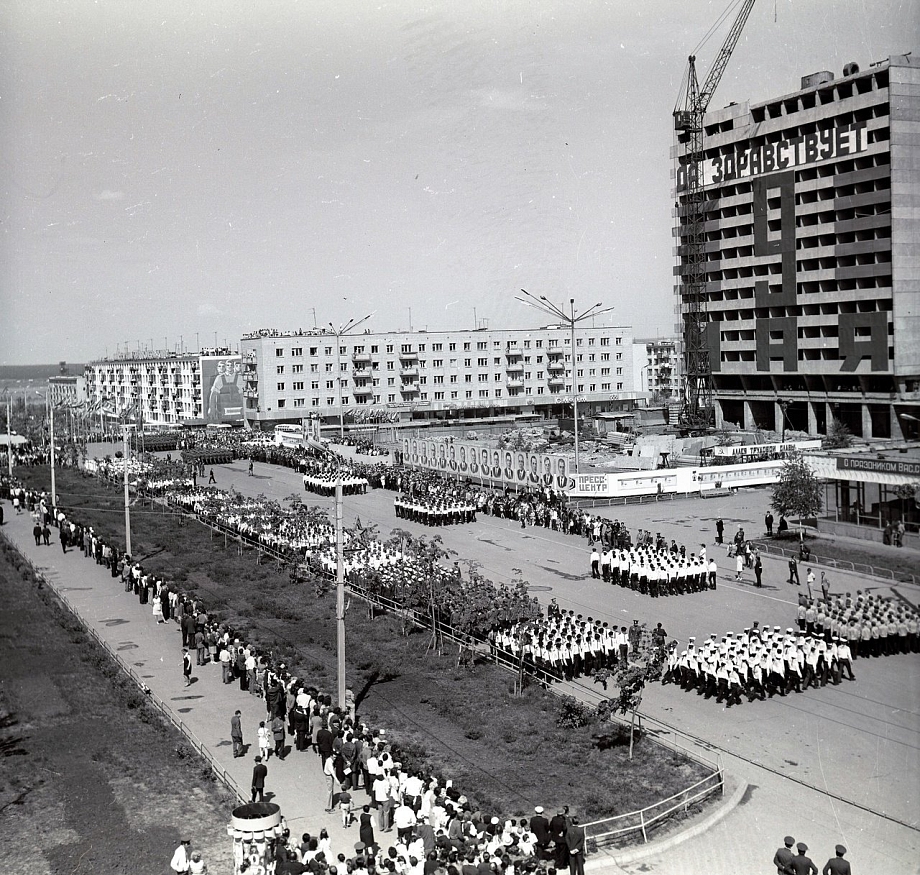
[{"x": 198, "y": 170}]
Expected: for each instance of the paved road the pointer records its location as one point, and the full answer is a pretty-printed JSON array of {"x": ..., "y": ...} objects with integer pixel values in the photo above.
[{"x": 818, "y": 763}]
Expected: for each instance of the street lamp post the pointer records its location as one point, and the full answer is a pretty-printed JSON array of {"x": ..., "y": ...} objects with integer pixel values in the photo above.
[
  {"x": 344, "y": 329},
  {"x": 125, "y": 431},
  {"x": 571, "y": 319},
  {"x": 783, "y": 406},
  {"x": 339, "y": 333}
]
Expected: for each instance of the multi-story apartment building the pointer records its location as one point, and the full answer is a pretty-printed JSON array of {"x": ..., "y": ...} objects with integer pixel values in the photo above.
[
  {"x": 812, "y": 233},
  {"x": 66, "y": 390},
  {"x": 169, "y": 389},
  {"x": 397, "y": 376},
  {"x": 657, "y": 367}
]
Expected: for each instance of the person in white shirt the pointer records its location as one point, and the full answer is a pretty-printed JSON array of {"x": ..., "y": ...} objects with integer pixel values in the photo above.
[{"x": 180, "y": 859}]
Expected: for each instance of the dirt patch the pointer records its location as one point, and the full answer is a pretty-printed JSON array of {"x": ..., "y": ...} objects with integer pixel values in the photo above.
[{"x": 89, "y": 777}]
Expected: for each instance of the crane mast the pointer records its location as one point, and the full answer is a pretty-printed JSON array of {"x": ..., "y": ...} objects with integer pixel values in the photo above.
[{"x": 697, "y": 410}]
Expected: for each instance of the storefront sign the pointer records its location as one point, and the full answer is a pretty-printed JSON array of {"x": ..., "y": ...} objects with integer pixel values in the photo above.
[{"x": 879, "y": 466}]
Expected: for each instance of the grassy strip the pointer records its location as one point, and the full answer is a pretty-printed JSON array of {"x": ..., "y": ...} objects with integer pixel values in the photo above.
[
  {"x": 92, "y": 744},
  {"x": 504, "y": 753}
]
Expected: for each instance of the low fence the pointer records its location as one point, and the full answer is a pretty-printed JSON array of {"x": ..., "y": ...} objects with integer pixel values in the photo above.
[
  {"x": 774, "y": 549},
  {"x": 610, "y": 829}
]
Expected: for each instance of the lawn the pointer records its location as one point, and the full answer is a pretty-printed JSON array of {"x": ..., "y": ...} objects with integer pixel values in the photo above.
[{"x": 506, "y": 753}]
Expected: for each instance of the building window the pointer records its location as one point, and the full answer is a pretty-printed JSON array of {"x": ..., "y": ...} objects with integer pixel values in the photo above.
[
  {"x": 328, "y": 350},
  {"x": 297, "y": 350},
  {"x": 374, "y": 349},
  {"x": 314, "y": 402},
  {"x": 389, "y": 349},
  {"x": 437, "y": 347},
  {"x": 466, "y": 347},
  {"x": 279, "y": 369},
  {"x": 452, "y": 347},
  {"x": 281, "y": 387},
  {"x": 482, "y": 362},
  {"x": 330, "y": 384},
  {"x": 483, "y": 393},
  {"x": 280, "y": 403},
  {"x": 279, "y": 353},
  {"x": 438, "y": 363},
  {"x": 498, "y": 393},
  {"x": 438, "y": 396},
  {"x": 298, "y": 402},
  {"x": 619, "y": 386},
  {"x": 314, "y": 384},
  {"x": 618, "y": 341},
  {"x": 296, "y": 369},
  {"x": 298, "y": 386}
]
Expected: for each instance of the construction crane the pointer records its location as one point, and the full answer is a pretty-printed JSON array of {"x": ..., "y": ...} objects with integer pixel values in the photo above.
[{"x": 697, "y": 411}]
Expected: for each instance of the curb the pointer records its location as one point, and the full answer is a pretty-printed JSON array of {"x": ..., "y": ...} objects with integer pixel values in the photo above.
[{"x": 603, "y": 859}]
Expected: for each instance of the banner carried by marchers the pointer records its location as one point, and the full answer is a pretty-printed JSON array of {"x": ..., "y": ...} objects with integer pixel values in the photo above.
[{"x": 470, "y": 459}]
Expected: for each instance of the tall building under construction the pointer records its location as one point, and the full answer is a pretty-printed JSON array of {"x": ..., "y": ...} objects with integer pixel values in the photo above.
[{"x": 812, "y": 248}]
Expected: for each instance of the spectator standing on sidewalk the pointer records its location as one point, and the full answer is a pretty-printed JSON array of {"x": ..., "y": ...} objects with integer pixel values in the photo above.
[
  {"x": 187, "y": 666},
  {"x": 259, "y": 774},
  {"x": 236, "y": 734},
  {"x": 180, "y": 858},
  {"x": 196, "y": 865}
]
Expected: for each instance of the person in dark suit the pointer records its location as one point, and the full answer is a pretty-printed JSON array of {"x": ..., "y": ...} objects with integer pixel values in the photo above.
[
  {"x": 557, "y": 828},
  {"x": 539, "y": 826},
  {"x": 236, "y": 734},
  {"x": 259, "y": 774},
  {"x": 575, "y": 842}
]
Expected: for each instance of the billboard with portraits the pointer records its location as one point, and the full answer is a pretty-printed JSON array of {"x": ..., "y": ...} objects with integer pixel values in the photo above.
[
  {"x": 222, "y": 389},
  {"x": 488, "y": 464}
]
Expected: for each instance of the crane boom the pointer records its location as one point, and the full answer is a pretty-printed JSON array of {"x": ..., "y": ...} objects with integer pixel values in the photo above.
[{"x": 697, "y": 410}]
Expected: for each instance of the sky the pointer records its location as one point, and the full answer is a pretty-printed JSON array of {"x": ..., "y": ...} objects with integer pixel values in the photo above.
[{"x": 176, "y": 174}]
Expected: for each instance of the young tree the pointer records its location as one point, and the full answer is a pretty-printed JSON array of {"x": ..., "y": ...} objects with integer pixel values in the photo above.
[
  {"x": 798, "y": 492},
  {"x": 645, "y": 665},
  {"x": 838, "y": 437}
]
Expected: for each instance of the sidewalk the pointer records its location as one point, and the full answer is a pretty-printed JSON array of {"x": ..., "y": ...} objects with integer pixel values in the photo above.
[{"x": 154, "y": 652}]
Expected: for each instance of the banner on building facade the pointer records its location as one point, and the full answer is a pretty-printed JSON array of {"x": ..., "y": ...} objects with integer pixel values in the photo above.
[{"x": 752, "y": 159}]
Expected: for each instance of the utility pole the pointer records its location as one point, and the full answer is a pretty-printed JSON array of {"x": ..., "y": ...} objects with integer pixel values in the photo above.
[
  {"x": 125, "y": 429},
  {"x": 53, "y": 482},
  {"x": 9, "y": 437},
  {"x": 339, "y": 590},
  {"x": 339, "y": 333},
  {"x": 571, "y": 319}
]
